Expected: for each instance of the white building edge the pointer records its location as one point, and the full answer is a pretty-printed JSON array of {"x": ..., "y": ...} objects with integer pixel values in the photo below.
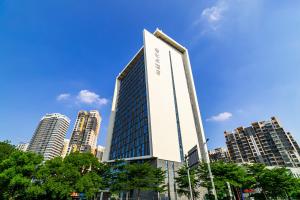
[{"x": 168, "y": 72}]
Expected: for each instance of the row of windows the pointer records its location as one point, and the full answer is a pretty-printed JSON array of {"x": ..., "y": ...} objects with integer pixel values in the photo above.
[
  {"x": 130, "y": 133},
  {"x": 132, "y": 126}
]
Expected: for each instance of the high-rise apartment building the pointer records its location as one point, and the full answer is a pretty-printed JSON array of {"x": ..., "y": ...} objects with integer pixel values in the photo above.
[
  {"x": 48, "y": 138},
  {"x": 86, "y": 130},
  {"x": 22, "y": 146},
  {"x": 155, "y": 114},
  {"x": 64, "y": 151},
  {"x": 219, "y": 154},
  {"x": 263, "y": 142},
  {"x": 99, "y": 152}
]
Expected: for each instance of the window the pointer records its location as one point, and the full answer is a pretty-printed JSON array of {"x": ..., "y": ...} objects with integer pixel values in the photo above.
[{"x": 130, "y": 133}]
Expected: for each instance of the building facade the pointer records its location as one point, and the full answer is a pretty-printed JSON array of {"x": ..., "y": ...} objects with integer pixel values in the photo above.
[
  {"x": 85, "y": 133},
  {"x": 155, "y": 114},
  {"x": 22, "y": 146},
  {"x": 99, "y": 152},
  {"x": 295, "y": 171},
  {"x": 48, "y": 138},
  {"x": 263, "y": 142},
  {"x": 64, "y": 151},
  {"x": 219, "y": 154}
]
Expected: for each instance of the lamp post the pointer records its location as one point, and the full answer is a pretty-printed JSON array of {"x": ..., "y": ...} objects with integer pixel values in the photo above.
[
  {"x": 189, "y": 178},
  {"x": 210, "y": 173}
]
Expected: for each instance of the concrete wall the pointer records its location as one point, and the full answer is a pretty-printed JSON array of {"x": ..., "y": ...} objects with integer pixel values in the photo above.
[{"x": 162, "y": 62}]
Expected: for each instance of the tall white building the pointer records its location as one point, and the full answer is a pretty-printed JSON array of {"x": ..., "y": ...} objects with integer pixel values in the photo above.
[
  {"x": 64, "y": 151},
  {"x": 155, "y": 113},
  {"x": 48, "y": 138},
  {"x": 99, "y": 152},
  {"x": 85, "y": 133},
  {"x": 22, "y": 146}
]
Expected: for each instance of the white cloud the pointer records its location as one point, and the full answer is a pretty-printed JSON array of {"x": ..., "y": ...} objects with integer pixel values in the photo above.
[
  {"x": 63, "y": 96},
  {"x": 83, "y": 97},
  {"x": 220, "y": 117},
  {"x": 91, "y": 98},
  {"x": 212, "y": 14},
  {"x": 211, "y": 17}
]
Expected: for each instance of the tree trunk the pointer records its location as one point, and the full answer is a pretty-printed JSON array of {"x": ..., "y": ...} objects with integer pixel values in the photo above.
[
  {"x": 287, "y": 194},
  {"x": 138, "y": 194},
  {"x": 236, "y": 193},
  {"x": 262, "y": 191}
]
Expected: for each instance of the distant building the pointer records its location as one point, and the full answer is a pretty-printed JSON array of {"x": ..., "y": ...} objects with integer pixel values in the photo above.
[
  {"x": 99, "y": 152},
  {"x": 263, "y": 142},
  {"x": 295, "y": 171},
  {"x": 85, "y": 134},
  {"x": 64, "y": 151},
  {"x": 22, "y": 146},
  {"x": 48, "y": 138},
  {"x": 219, "y": 154}
]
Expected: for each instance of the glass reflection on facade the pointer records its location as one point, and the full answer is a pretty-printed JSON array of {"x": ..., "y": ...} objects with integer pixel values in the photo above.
[{"x": 130, "y": 136}]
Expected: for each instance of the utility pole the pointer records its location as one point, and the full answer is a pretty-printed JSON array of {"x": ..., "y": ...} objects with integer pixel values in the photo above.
[
  {"x": 210, "y": 173},
  {"x": 189, "y": 178},
  {"x": 229, "y": 190}
]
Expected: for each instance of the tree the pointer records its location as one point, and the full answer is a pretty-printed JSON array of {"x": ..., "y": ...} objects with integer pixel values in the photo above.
[
  {"x": 158, "y": 180},
  {"x": 78, "y": 173},
  {"x": 17, "y": 173},
  {"x": 277, "y": 183},
  {"x": 256, "y": 170},
  {"x": 137, "y": 176},
  {"x": 183, "y": 182},
  {"x": 295, "y": 193},
  {"x": 274, "y": 183},
  {"x": 55, "y": 180},
  {"x": 6, "y": 149},
  {"x": 118, "y": 178},
  {"x": 232, "y": 173}
]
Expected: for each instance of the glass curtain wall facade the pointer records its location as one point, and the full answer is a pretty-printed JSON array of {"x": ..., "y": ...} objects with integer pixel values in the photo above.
[
  {"x": 155, "y": 115},
  {"x": 130, "y": 136}
]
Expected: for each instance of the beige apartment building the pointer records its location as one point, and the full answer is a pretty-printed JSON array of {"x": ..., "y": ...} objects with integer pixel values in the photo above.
[
  {"x": 219, "y": 154},
  {"x": 85, "y": 133},
  {"x": 64, "y": 151}
]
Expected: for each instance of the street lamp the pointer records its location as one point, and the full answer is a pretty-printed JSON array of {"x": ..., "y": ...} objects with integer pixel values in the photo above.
[
  {"x": 210, "y": 174},
  {"x": 189, "y": 178}
]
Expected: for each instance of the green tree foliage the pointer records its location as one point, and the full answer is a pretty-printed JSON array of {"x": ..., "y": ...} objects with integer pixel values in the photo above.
[
  {"x": 78, "y": 173},
  {"x": 6, "y": 149},
  {"x": 235, "y": 175},
  {"x": 137, "y": 176},
  {"x": 118, "y": 177},
  {"x": 274, "y": 183},
  {"x": 158, "y": 179},
  {"x": 144, "y": 177},
  {"x": 17, "y": 173},
  {"x": 23, "y": 175},
  {"x": 183, "y": 182},
  {"x": 295, "y": 193}
]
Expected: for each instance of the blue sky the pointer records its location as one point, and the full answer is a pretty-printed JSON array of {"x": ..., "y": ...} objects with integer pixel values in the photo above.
[{"x": 245, "y": 56}]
